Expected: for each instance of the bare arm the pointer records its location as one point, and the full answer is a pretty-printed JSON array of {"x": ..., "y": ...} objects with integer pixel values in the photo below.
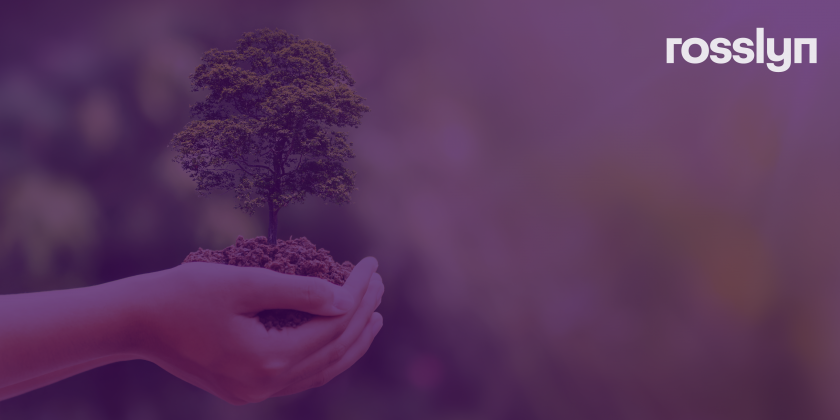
[
  {"x": 60, "y": 374},
  {"x": 45, "y": 332},
  {"x": 196, "y": 321}
]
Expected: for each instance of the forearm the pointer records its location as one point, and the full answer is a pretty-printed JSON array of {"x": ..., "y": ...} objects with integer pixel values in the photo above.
[
  {"x": 58, "y": 375},
  {"x": 48, "y": 336}
]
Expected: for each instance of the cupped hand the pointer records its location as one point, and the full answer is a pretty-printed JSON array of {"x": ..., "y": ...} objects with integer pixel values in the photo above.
[{"x": 198, "y": 322}]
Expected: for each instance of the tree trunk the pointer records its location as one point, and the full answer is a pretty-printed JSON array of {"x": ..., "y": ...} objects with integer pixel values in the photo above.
[{"x": 272, "y": 222}]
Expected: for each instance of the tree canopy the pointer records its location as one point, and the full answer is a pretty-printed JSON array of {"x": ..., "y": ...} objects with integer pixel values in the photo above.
[{"x": 268, "y": 129}]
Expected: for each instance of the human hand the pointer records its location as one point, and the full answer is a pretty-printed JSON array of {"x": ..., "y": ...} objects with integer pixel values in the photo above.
[{"x": 197, "y": 321}]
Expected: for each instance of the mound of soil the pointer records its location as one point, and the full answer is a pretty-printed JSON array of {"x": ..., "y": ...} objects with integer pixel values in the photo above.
[{"x": 295, "y": 256}]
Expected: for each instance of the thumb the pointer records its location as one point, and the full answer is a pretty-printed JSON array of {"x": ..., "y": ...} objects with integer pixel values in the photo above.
[{"x": 266, "y": 289}]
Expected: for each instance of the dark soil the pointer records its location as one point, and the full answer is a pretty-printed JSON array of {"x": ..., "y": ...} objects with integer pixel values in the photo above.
[{"x": 295, "y": 256}]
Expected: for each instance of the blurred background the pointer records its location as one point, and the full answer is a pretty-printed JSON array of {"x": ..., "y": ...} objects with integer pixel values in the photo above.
[{"x": 567, "y": 226}]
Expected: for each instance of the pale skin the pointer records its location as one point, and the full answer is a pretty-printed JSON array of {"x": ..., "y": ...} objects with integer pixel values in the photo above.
[{"x": 197, "y": 322}]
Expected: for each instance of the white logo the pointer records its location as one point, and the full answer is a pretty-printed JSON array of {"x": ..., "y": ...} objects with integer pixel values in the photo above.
[{"x": 742, "y": 53}]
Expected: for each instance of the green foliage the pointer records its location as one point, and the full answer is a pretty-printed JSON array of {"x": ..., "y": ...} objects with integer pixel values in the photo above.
[{"x": 268, "y": 127}]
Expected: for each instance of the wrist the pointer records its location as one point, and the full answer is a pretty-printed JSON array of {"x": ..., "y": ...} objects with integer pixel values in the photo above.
[
  {"x": 134, "y": 319},
  {"x": 57, "y": 330},
  {"x": 111, "y": 315}
]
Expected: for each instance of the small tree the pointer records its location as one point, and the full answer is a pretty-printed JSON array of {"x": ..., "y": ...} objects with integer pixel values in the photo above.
[{"x": 268, "y": 128}]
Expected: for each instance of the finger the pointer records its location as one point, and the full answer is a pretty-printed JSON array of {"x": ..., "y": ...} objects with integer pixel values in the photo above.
[
  {"x": 333, "y": 351},
  {"x": 353, "y": 354},
  {"x": 376, "y": 276},
  {"x": 319, "y": 333},
  {"x": 357, "y": 283},
  {"x": 265, "y": 289}
]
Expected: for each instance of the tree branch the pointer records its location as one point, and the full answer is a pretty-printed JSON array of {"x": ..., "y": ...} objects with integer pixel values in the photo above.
[
  {"x": 300, "y": 160},
  {"x": 243, "y": 169},
  {"x": 257, "y": 166}
]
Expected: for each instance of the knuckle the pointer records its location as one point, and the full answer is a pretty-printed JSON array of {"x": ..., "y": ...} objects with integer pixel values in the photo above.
[
  {"x": 320, "y": 379},
  {"x": 336, "y": 353},
  {"x": 269, "y": 372},
  {"x": 313, "y": 294},
  {"x": 309, "y": 294},
  {"x": 336, "y": 334},
  {"x": 276, "y": 370}
]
